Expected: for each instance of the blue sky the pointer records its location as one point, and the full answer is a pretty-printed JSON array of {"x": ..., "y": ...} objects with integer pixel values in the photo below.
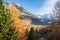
[{"x": 37, "y": 7}]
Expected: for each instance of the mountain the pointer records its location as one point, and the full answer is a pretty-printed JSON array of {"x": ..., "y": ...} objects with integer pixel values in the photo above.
[
  {"x": 46, "y": 19},
  {"x": 27, "y": 15}
]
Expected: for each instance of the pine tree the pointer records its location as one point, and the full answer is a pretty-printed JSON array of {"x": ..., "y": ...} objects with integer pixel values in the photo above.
[
  {"x": 7, "y": 31},
  {"x": 32, "y": 35}
]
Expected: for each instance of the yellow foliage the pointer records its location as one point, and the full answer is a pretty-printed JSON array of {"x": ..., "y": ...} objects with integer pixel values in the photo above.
[{"x": 18, "y": 23}]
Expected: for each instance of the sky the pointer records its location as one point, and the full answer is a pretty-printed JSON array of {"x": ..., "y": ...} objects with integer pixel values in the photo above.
[{"x": 37, "y": 7}]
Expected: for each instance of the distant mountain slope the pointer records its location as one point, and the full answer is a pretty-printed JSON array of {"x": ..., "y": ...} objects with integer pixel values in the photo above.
[
  {"x": 46, "y": 19},
  {"x": 33, "y": 18}
]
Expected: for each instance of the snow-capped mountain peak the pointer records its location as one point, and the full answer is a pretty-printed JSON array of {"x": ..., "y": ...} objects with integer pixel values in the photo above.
[{"x": 18, "y": 4}]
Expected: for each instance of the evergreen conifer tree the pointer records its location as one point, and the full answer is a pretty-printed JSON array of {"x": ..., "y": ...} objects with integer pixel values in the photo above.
[
  {"x": 32, "y": 35},
  {"x": 7, "y": 31}
]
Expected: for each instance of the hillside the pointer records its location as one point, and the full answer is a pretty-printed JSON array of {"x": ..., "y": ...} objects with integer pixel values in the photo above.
[{"x": 23, "y": 20}]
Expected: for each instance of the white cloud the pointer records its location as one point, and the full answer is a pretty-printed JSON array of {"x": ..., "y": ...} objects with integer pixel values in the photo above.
[{"x": 48, "y": 6}]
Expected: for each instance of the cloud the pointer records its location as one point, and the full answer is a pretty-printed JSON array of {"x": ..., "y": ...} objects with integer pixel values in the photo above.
[{"x": 48, "y": 6}]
